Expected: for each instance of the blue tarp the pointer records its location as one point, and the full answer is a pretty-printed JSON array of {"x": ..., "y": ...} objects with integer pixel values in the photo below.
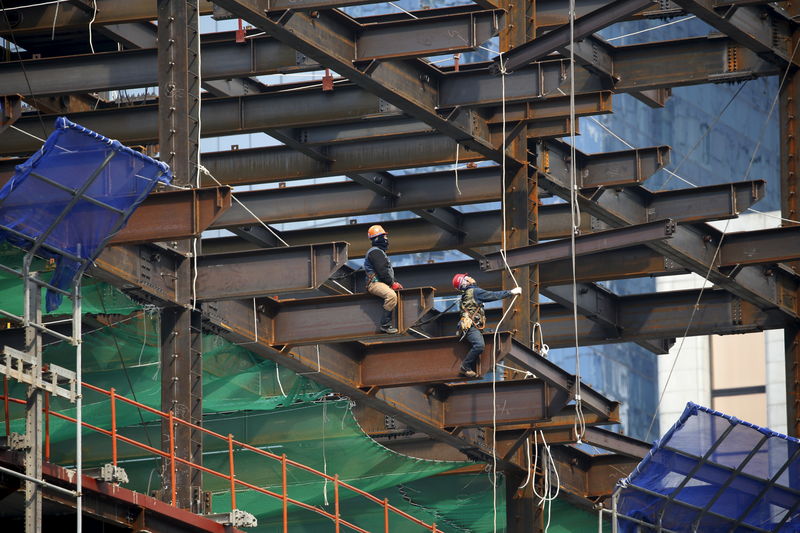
[
  {"x": 44, "y": 196},
  {"x": 713, "y": 472}
]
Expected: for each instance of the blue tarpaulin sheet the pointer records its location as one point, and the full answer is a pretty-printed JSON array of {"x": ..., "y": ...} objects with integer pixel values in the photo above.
[
  {"x": 713, "y": 472},
  {"x": 72, "y": 196}
]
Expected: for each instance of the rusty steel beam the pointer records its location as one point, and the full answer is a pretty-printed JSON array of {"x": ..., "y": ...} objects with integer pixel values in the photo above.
[
  {"x": 10, "y": 111},
  {"x": 419, "y": 407},
  {"x": 325, "y": 38},
  {"x": 560, "y": 37},
  {"x": 113, "y": 504},
  {"x": 548, "y": 371},
  {"x": 508, "y": 402},
  {"x": 586, "y": 244},
  {"x": 759, "y": 28},
  {"x": 761, "y": 247},
  {"x": 590, "y": 476},
  {"x": 408, "y": 236},
  {"x": 147, "y": 272},
  {"x": 693, "y": 246},
  {"x": 644, "y": 317},
  {"x": 174, "y": 215},
  {"x": 265, "y": 272},
  {"x": 316, "y": 320},
  {"x": 602, "y": 438},
  {"x": 395, "y": 364}
]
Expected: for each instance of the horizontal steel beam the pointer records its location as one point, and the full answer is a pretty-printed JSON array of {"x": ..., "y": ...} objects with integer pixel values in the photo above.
[
  {"x": 602, "y": 438},
  {"x": 585, "y": 244},
  {"x": 761, "y": 247},
  {"x": 408, "y": 235},
  {"x": 148, "y": 272},
  {"x": 560, "y": 37},
  {"x": 394, "y": 364},
  {"x": 645, "y": 316},
  {"x": 507, "y": 402},
  {"x": 316, "y": 320},
  {"x": 266, "y": 272},
  {"x": 590, "y": 476},
  {"x": 693, "y": 246},
  {"x": 758, "y": 28},
  {"x": 174, "y": 215}
]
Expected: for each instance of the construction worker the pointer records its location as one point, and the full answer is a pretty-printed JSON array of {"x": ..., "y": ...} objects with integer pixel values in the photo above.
[
  {"x": 380, "y": 275},
  {"x": 473, "y": 318}
]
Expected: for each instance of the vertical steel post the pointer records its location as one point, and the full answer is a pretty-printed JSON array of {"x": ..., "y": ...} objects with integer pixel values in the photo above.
[
  {"x": 47, "y": 426},
  {"x": 789, "y": 132},
  {"x": 521, "y": 227},
  {"x": 5, "y": 406},
  {"x": 77, "y": 336},
  {"x": 113, "y": 399},
  {"x": 284, "y": 494},
  {"x": 231, "y": 471},
  {"x": 178, "y": 131},
  {"x": 34, "y": 402}
]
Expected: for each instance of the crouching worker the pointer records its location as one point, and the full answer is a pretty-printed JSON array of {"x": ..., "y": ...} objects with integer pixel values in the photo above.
[
  {"x": 473, "y": 318},
  {"x": 380, "y": 275}
]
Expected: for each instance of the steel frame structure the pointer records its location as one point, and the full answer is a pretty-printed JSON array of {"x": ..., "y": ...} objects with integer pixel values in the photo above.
[{"x": 392, "y": 109}]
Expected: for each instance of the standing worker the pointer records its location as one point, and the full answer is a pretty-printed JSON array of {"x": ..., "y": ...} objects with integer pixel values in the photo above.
[
  {"x": 380, "y": 275},
  {"x": 473, "y": 318}
]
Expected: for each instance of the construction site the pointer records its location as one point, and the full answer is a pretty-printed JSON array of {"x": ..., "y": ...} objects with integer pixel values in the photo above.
[{"x": 399, "y": 267}]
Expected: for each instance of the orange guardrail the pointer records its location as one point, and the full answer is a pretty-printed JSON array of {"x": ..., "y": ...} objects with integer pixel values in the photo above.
[{"x": 335, "y": 517}]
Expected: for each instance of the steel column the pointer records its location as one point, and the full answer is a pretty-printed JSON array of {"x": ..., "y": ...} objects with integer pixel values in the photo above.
[
  {"x": 34, "y": 405},
  {"x": 790, "y": 211}
]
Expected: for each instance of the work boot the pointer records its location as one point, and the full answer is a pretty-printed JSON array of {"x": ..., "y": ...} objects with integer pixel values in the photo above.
[
  {"x": 466, "y": 372},
  {"x": 386, "y": 323}
]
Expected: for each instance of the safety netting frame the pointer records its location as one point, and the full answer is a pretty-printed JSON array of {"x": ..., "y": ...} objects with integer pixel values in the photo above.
[
  {"x": 713, "y": 472},
  {"x": 55, "y": 205}
]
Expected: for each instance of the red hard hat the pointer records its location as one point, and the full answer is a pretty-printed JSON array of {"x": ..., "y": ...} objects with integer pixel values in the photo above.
[
  {"x": 375, "y": 230},
  {"x": 457, "y": 279}
]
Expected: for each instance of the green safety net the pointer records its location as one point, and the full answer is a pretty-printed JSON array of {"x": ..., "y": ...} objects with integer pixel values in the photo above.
[
  {"x": 266, "y": 406},
  {"x": 97, "y": 296}
]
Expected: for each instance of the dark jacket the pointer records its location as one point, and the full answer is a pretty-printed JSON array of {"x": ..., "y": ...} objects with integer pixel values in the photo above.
[{"x": 378, "y": 266}]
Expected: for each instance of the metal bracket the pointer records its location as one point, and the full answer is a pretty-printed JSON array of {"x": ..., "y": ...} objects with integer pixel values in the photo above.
[
  {"x": 113, "y": 474},
  {"x": 236, "y": 518},
  {"x": 54, "y": 379}
]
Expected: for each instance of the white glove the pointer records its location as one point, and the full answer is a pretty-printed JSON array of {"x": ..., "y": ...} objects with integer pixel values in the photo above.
[{"x": 516, "y": 290}]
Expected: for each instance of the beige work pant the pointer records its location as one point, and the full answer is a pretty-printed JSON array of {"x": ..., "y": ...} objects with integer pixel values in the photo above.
[{"x": 382, "y": 290}]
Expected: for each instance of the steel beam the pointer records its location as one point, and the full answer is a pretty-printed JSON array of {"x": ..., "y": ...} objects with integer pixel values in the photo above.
[
  {"x": 315, "y": 320},
  {"x": 758, "y": 28},
  {"x": 762, "y": 247},
  {"x": 602, "y": 438},
  {"x": 146, "y": 272},
  {"x": 693, "y": 246},
  {"x": 560, "y": 37},
  {"x": 174, "y": 215},
  {"x": 508, "y": 402},
  {"x": 585, "y": 244},
  {"x": 264, "y": 272},
  {"x": 590, "y": 476},
  {"x": 409, "y": 85},
  {"x": 645, "y": 317},
  {"x": 395, "y": 364},
  {"x": 554, "y": 375}
]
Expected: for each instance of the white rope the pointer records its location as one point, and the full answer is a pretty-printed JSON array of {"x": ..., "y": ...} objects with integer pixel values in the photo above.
[
  {"x": 15, "y": 8},
  {"x": 690, "y": 17},
  {"x": 455, "y": 169},
  {"x": 55, "y": 17},
  {"x": 412, "y": 15},
  {"x": 94, "y": 15},
  {"x": 205, "y": 171},
  {"x": 579, "y": 426}
]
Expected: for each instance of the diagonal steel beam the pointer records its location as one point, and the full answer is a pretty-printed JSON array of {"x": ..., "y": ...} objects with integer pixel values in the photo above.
[
  {"x": 758, "y": 27},
  {"x": 585, "y": 244},
  {"x": 560, "y": 37},
  {"x": 409, "y": 85},
  {"x": 692, "y": 246}
]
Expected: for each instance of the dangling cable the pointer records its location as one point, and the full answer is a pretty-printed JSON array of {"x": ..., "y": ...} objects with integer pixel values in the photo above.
[
  {"x": 579, "y": 426},
  {"x": 456, "y": 169}
]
